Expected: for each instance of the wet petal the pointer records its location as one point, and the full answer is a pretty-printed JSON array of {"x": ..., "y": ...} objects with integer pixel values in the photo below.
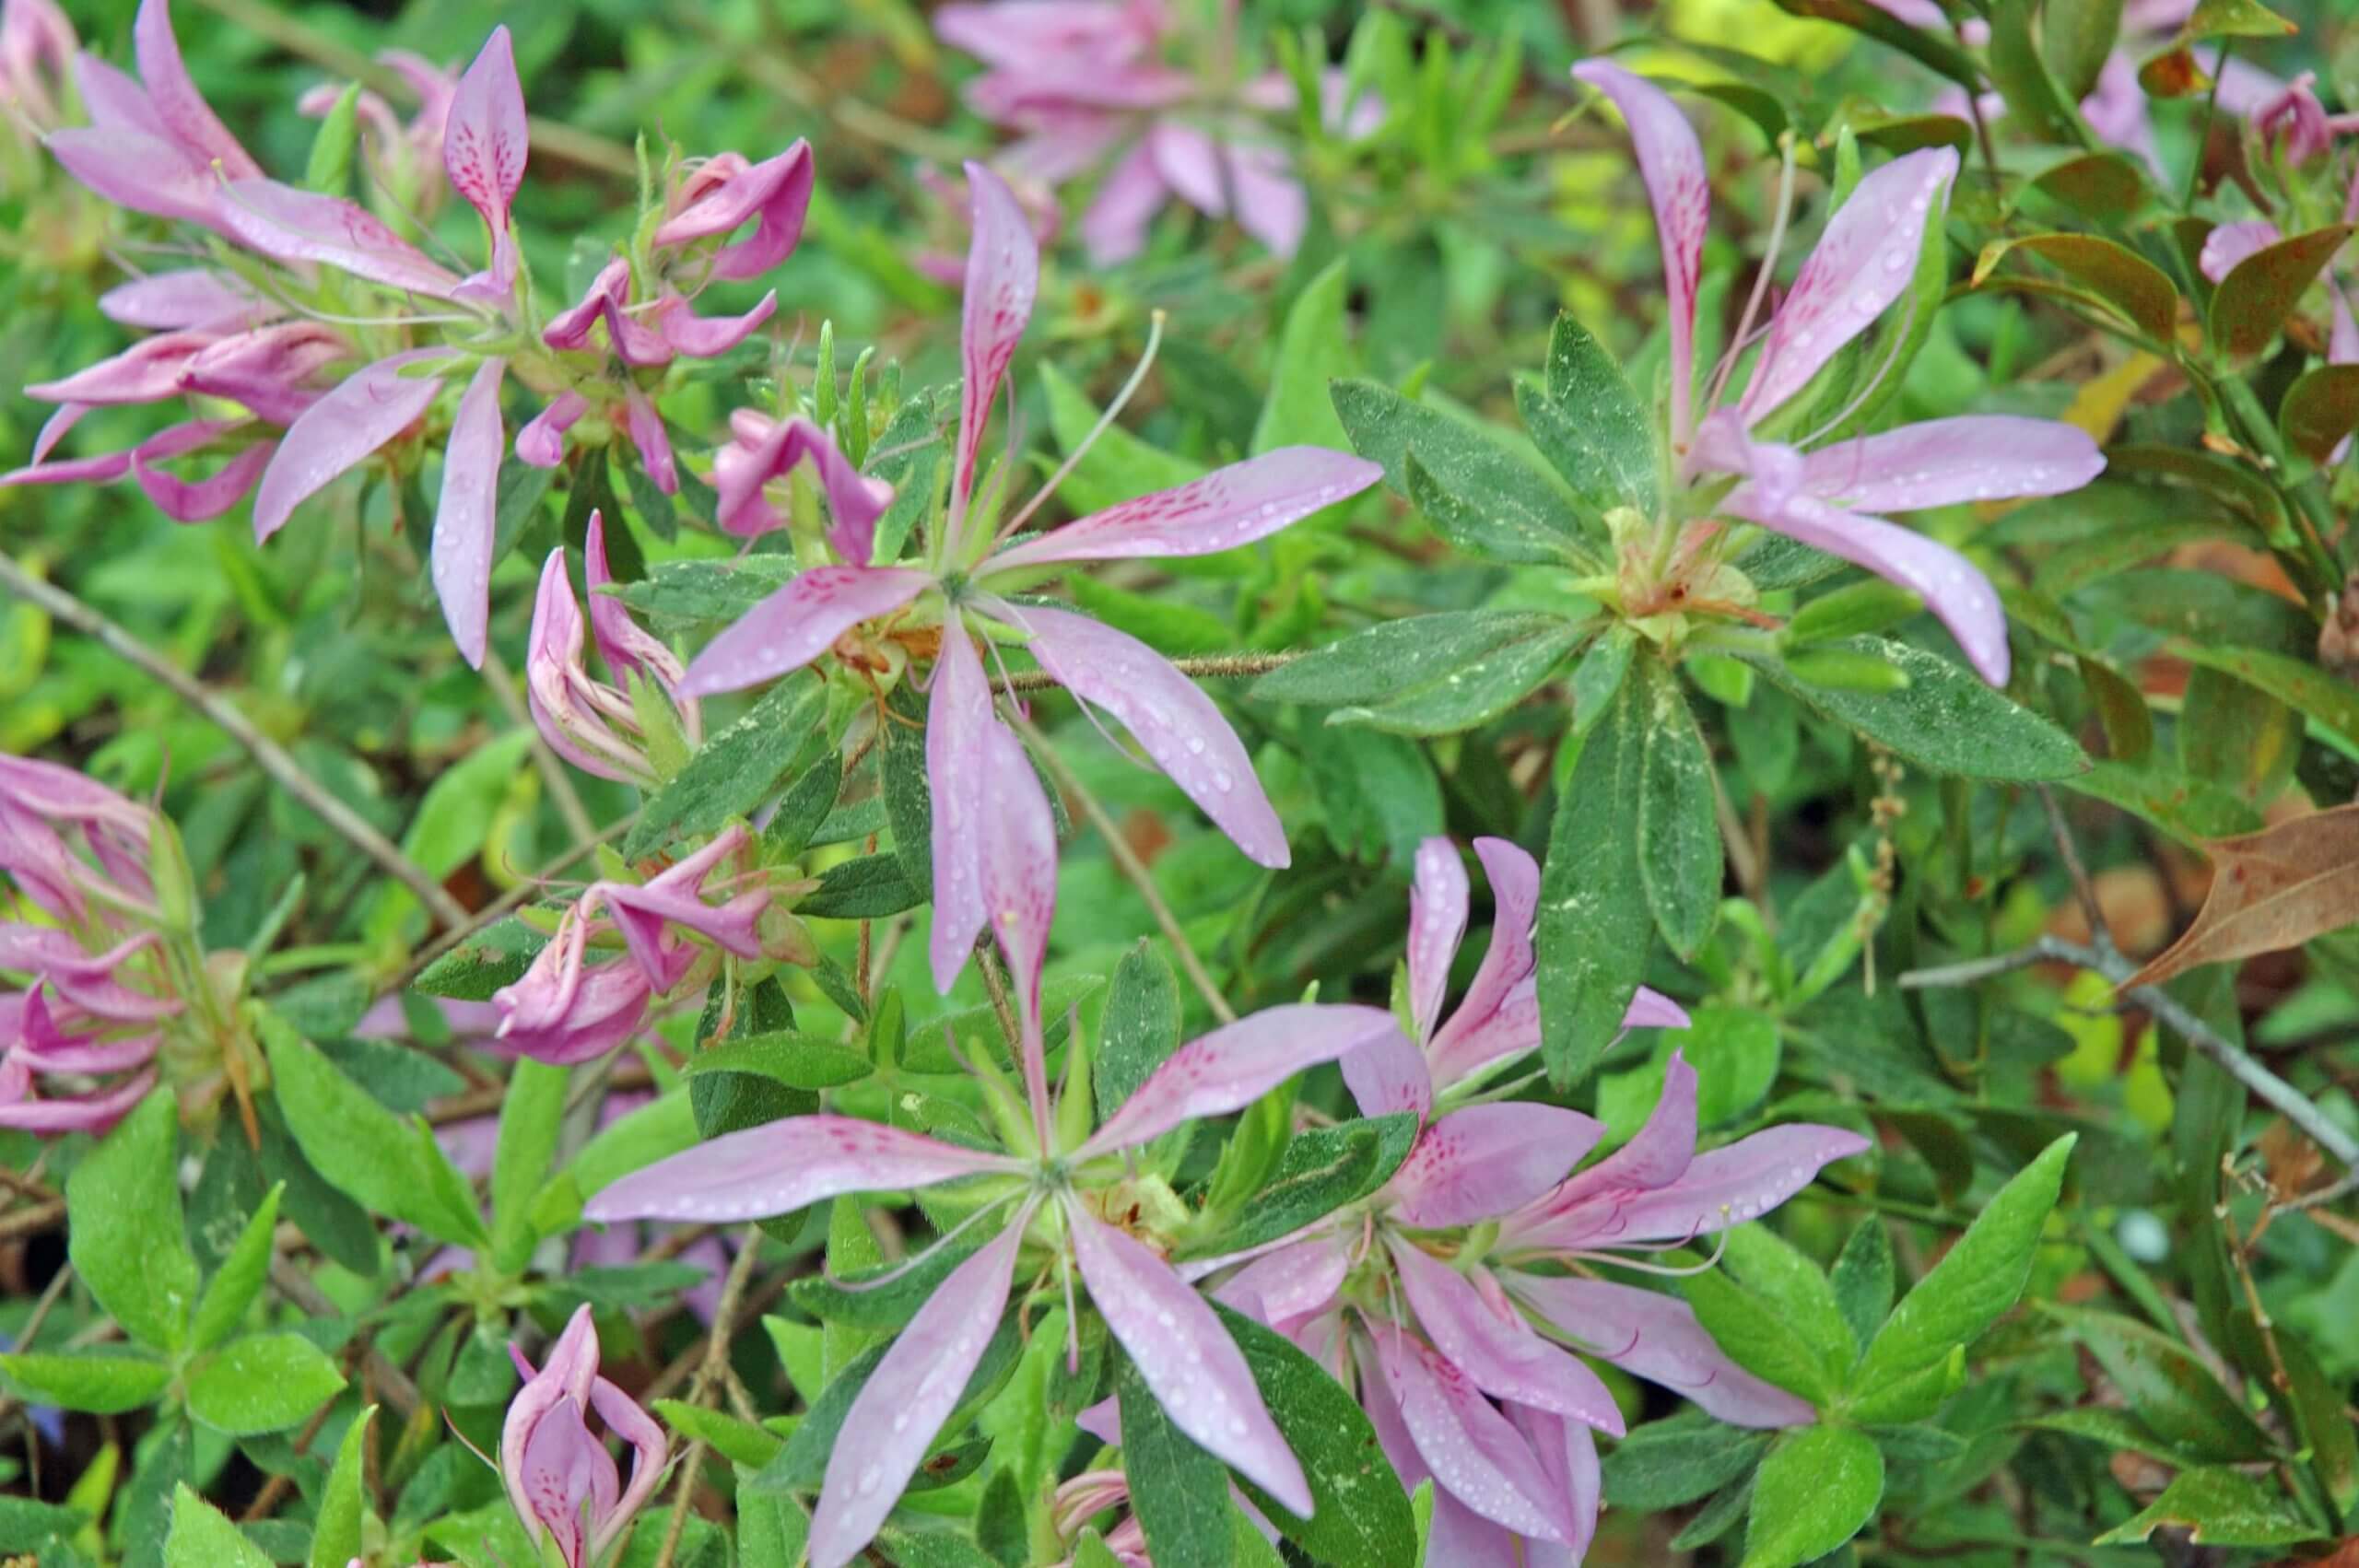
[
  {"x": 1186, "y": 1358},
  {"x": 1484, "y": 1161},
  {"x": 1938, "y": 463},
  {"x": 1226, "y": 507},
  {"x": 174, "y": 98},
  {"x": 1437, "y": 925},
  {"x": 1657, "y": 1338},
  {"x": 1291, "y": 1283},
  {"x": 1236, "y": 1065},
  {"x": 138, "y": 172},
  {"x": 288, "y": 225},
  {"x": 465, "y": 521},
  {"x": 1016, "y": 852},
  {"x": 148, "y": 371},
  {"x": 1178, "y": 726},
  {"x": 198, "y": 500},
  {"x": 1567, "y": 1455},
  {"x": 1472, "y": 1451},
  {"x": 1390, "y": 1074},
  {"x": 958, "y": 759},
  {"x": 1506, "y": 1360},
  {"x": 797, "y": 624},
  {"x": 372, "y": 407},
  {"x": 1742, "y": 1182},
  {"x": 485, "y": 143},
  {"x": 782, "y": 1166},
  {"x": 193, "y": 297},
  {"x": 1002, "y": 276},
  {"x": 1465, "y": 1042}
]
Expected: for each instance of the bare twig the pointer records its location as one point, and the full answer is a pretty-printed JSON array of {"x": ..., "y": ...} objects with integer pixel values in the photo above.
[
  {"x": 2100, "y": 936},
  {"x": 2231, "y": 1057},
  {"x": 716, "y": 1358},
  {"x": 347, "y": 824},
  {"x": 1133, "y": 868},
  {"x": 32, "y": 1221},
  {"x": 505, "y": 905}
]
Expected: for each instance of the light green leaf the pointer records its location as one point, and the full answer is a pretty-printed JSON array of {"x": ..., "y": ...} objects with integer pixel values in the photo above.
[
  {"x": 1314, "y": 349},
  {"x": 203, "y": 1537},
  {"x": 1813, "y": 1492},
  {"x": 262, "y": 1383},
  {"x": 102, "y": 1385},
  {"x": 530, "y": 1119},
  {"x": 235, "y": 1284},
  {"x": 337, "y": 1538},
  {"x": 124, "y": 1229},
  {"x": 453, "y": 822}
]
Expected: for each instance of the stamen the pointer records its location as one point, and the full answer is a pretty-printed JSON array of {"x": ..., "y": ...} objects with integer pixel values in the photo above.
[
  {"x": 1121, "y": 400},
  {"x": 1668, "y": 1271},
  {"x": 944, "y": 1239},
  {"x": 1768, "y": 264},
  {"x": 1868, "y": 388}
]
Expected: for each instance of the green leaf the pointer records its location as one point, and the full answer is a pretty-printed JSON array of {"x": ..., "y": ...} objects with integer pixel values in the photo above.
[
  {"x": 2189, "y": 810},
  {"x": 329, "y": 169},
  {"x": 453, "y": 822},
  {"x": 2332, "y": 702},
  {"x": 868, "y": 888},
  {"x": 531, "y": 1116},
  {"x": 1930, "y": 49},
  {"x": 1506, "y": 510},
  {"x": 44, "y": 1529},
  {"x": 235, "y": 1284},
  {"x": 1179, "y": 1493},
  {"x": 386, "y": 1164},
  {"x": 335, "y": 1540},
  {"x": 1863, "y": 1279},
  {"x": 1359, "y": 1513},
  {"x": 1678, "y": 830},
  {"x": 1593, "y": 927},
  {"x": 738, "y": 1441},
  {"x": 2140, "y": 292},
  {"x": 2218, "y": 1506},
  {"x": 2076, "y": 36},
  {"x": 262, "y": 1383},
  {"x": 1947, "y": 720},
  {"x": 1590, "y": 424},
  {"x": 1141, "y": 1026},
  {"x": 1858, "y": 609},
  {"x": 1314, "y": 349},
  {"x": 736, "y": 770},
  {"x": 2245, "y": 741},
  {"x": 1320, "y": 1171},
  {"x": 1599, "y": 676},
  {"x": 2034, "y": 98},
  {"x": 2167, "y": 1387},
  {"x": 2325, "y": 1430},
  {"x": 2234, "y": 18},
  {"x": 798, "y": 1061},
  {"x": 1428, "y": 675},
  {"x": 2321, "y": 408},
  {"x": 124, "y": 1229},
  {"x": 887, "y": 1296},
  {"x": 1774, "y": 1313},
  {"x": 691, "y": 595},
  {"x": 203, "y": 1537},
  {"x": 907, "y": 793},
  {"x": 102, "y": 1385},
  {"x": 1666, "y": 1464},
  {"x": 1901, "y": 1377},
  {"x": 1816, "y": 1487},
  {"x": 494, "y": 958},
  {"x": 2261, "y": 290}
]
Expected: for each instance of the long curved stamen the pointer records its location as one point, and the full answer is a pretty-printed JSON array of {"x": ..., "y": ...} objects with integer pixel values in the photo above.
[
  {"x": 917, "y": 1259},
  {"x": 1769, "y": 267},
  {"x": 1868, "y": 387},
  {"x": 1668, "y": 1271},
  {"x": 1121, "y": 399}
]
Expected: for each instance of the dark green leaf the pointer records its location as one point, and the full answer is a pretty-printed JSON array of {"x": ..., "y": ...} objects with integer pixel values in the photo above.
[
  {"x": 1665, "y": 1464},
  {"x": 2320, "y": 409},
  {"x": 867, "y": 889},
  {"x": 1862, "y": 1278},
  {"x": 2219, "y": 1506},
  {"x": 124, "y": 1227},
  {"x": 2167, "y": 1387},
  {"x": 1179, "y": 1493},
  {"x": 1427, "y": 674},
  {"x": 691, "y": 595},
  {"x": 2140, "y": 291},
  {"x": 1320, "y": 1171},
  {"x": 2261, "y": 290},
  {"x": 1679, "y": 832},
  {"x": 1140, "y": 1028},
  {"x": 1590, "y": 425},
  {"x": 736, "y": 770},
  {"x": 1503, "y": 508},
  {"x": 496, "y": 956},
  {"x": 1947, "y": 720},
  {"x": 1593, "y": 926}
]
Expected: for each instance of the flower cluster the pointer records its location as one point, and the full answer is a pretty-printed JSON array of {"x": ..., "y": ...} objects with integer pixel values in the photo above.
[
  {"x": 1826, "y": 496},
  {"x": 78, "y": 1041},
  {"x": 636, "y": 726}
]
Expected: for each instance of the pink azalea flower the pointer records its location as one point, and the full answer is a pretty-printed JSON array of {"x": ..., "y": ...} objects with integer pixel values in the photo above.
[
  {"x": 573, "y": 1005},
  {"x": 1832, "y": 498},
  {"x": 1066, "y": 1177},
  {"x": 973, "y": 776},
  {"x": 1085, "y": 85},
  {"x": 153, "y": 143},
  {"x": 37, "y": 50},
  {"x": 564, "y": 1485},
  {"x": 594, "y": 724}
]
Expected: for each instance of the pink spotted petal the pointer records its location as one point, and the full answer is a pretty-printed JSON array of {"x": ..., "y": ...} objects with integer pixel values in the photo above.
[
  {"x": 1656, "y": 1337},
  {"x": 199, "y": 500},
  {"x": 902, "y": 1406},
  {"x": 957, "y": 763},
  {"x": 561, "y": 1473},
  {"x": 1002, "y": 276},
  {"x": 762, "y": 449},
  {"x": 1567, "y": 1456},
  {"x": 1953, "y": 587},
  {"x": 148, "y": 371},
  {"x": 1186, "y": 1358},
  {"x": 464, "y": 522},
  {"x": 1437, "y": 925},
  {"x": 1661, "y": 1150},
  {"x": 2229, "y": 244},
  {"x": 1017, "y": 854},
  {"x": 1178, "y": 726},
  {"x": 485, "y": 144},
  {"x": 1742, "y": 1182},
  {"x": 1671, "y": 160},
  {"x": 372, "y": 407},
  {"x": 1939, "y": 462},
  {"x": 782, "y": 1166},
  {"x": 288, "y": 225},
  {"x": 572, "y": 1368},
  {"x": 174, "y": 98},
  {"x": 1388, "y": 1075},
  {"x": 1865, "y": 261},
  {"x": 1229, "y": 506},
  {"x": 1467, "y": 1446},
  {"x": 1291, "y": 1283},
  {"x": 1236, "y": 1064},
  {"x": 1505, "y": 1359},
  {"x": 797, "y": 624},
  {"x": 774, "y": 194},
  {"x": 1484, "y": 1161}
]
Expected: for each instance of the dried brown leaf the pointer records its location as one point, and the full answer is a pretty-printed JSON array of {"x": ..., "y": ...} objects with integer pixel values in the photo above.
[{"x": 2271, "y": 890}]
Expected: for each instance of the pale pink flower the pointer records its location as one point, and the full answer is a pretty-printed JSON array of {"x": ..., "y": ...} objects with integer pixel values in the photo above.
[{"x": 563, "y": 1483}]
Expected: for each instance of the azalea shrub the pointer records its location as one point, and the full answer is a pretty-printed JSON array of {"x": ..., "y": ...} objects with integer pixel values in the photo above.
[{"x": 1026, "y": 783}]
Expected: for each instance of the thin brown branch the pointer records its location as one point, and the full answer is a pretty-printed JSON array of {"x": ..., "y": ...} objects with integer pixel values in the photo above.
[
  {"x": 505, "y": 905},
  {"x": 347, "y": 824},
  {"x": 716, "y": 1358}
]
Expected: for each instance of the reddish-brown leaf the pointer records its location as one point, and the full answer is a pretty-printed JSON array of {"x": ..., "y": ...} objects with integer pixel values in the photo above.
[{"x": 2271, "y": 890}]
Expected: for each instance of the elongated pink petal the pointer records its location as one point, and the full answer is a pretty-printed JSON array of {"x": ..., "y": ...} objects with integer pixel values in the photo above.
[
  {"x": 138, "y": 172},
  {"x": 1657, "y": 1338},
  {"x": 560, "y": 1475},
  {"x": 1049, "y": 33},
  {"x": 654, "y": 443},
  {"x": 199, "y": 500},
  {"x": 704, "y": 338},
  {"x": 623, "y": 643},
  {"x": 288, "y": 225},
  {"x": 570, "y": 328},
  {"x": 798, "y": 623},
  {"x": 957, "y": 762},
  {"x": 1114, "y": 226},
  {"x": 1567, "y": 1456},
  {"x": 775, "y": 193},
  {"x": 53, "y": 429},
  {"x": 1484, "y": 1161},
  {"x": 1742, "y": 1182},
  {"x": 1178, "y": 726},
  {"x": 372, "y": 407},
  {"x": 1236, "y": 1065},
  {"x": 784, "y": 1165},
  {"x": 553, "y": 675},
  {"x": 464, "y": 521},
  {"x": 542, "y": 440},
  {"x": 1186, "y": 1358},
  {"x": 2227, "y": 245},
  {"x": 1650, "y": 1009},
  {"x": 1016, "y": 844},
  {"x": 902, "y": 1406},
  {"x": 1506, "y": 1360},
  {"x": 1471, "y": 1450},
  {"x": 627, "y": 1420},
  {"x": 148, "y": 371},
  {"x": 1291, "y": 1283},
  {"x": 1437, "y": 925},
  {"x": 1459, "y": 1048},
  {"x": 193, "y": 297},
  {"x": 1671, "y": 160},
  {"x": 485, "y": 144},
  {"x": 762, "y": 449},
  {"x": 274, "y": 370},
  {"x": 1002, "y": 276},
  {"x": 174, "y": 98},
  {"x": 1866, "y": 260},
  {"x": 114, "y": 101},
  {"x": 1390, "y": 1074},
  {"x": 1977, "y": 457},
  {"x": 567, "y": 1375},
  {"x": 1229, "y": 506},
  {"x": 1658, "y": 1153},
  {"x": 1953, "y": 587}
]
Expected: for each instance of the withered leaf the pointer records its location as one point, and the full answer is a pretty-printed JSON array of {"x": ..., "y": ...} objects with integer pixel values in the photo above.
[{"x": 2271, "y": 890}]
